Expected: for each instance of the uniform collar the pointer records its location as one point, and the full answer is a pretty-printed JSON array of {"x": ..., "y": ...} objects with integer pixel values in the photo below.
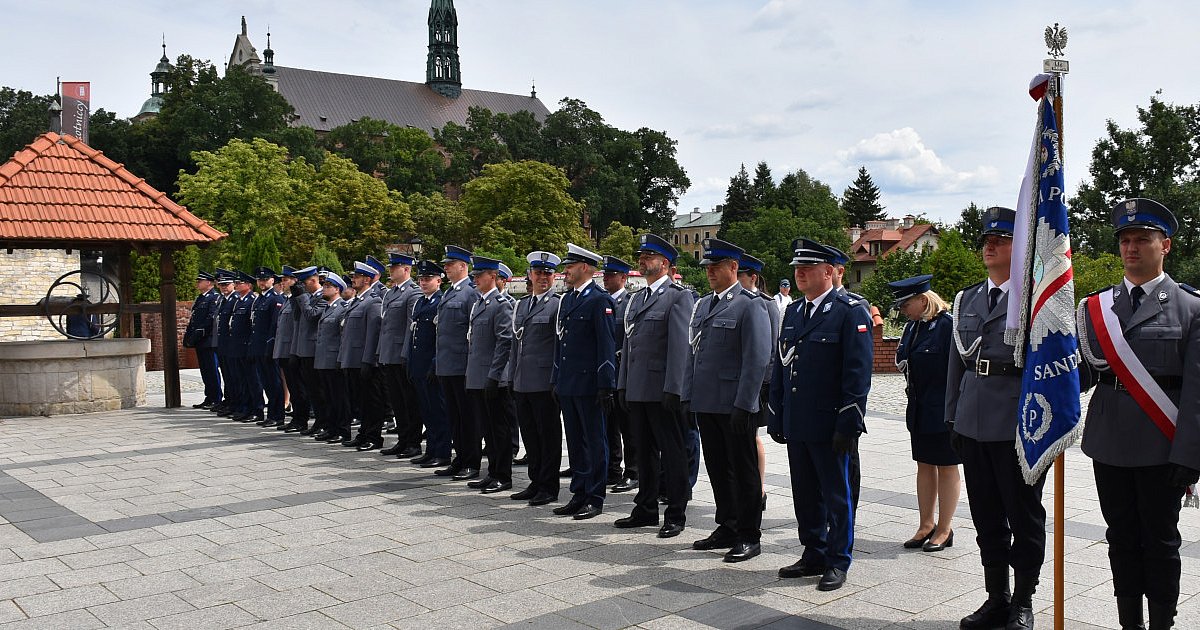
[
  {"x": 485, "y": 296},
  {"x": 616, "y": 296},
  {"x": 459, "y": 284},
  {"x": 821, "y": 298},
  {"x": 1147, "y": 286},
  {"x": 658, "y": 284},
  {"x": 723, "y": 294},
  {"x": 1003, "y": 287}
]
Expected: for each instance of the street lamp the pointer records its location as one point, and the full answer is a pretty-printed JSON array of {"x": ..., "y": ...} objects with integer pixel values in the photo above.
[{"x": 416, "y": 244}]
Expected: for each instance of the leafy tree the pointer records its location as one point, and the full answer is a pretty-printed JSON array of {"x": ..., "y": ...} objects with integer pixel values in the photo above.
[
  {"x": 802, "y": 194},
  {"x": 660, "y": 181},
  {"x": 23, "y": 117},
  {"x": 1092, "y": 274},
  {"x": 439, "y": 222},
  {"x": 516, "y": 262},
  {"x": 262, "y": 251},
  {"x": 897, "y": 265},
  {"x": 692, "y": 273},
  {"x": 762, "y": 189},
  {"x": 147, "y": 281},
  {"x": 861, "y": 200},
  {"x": 322, "y": 256},
  {"x": 620, "y": 242},
  {"x": 403, "y": 157},
  {"x": 525, "y": 205},
  {"x": 356, "y": 211},
  {"x": 769, "y": 235},
  {"x": 739, "y": 201},
  {"x": 301, "y": 142},
  {"x": 970, "y": 224},
  {"x": 952, "y": 265}
]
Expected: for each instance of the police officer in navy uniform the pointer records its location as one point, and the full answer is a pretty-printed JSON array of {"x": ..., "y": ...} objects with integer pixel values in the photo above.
[
  {"x": 730, "y": 334},
  {"x": 820, "y": 379},
  {"x": 454, "y": 317},
  {"x": 655, "y": 352},
  {"x": 335, "y": 394},
  {"x": 533, "y": 349},
  {"x": 622, "y": 448},
  {"x": 202, "y": 319},
  {"x": 584, "y": 379},
  {"x": 221, "y": 314},
  {"x": 982, "y": 388},
  {"x": 358, "y": 356},
  {"x": 293, "y": 293},
  {"x": 395, "y": 318},
  {"x": 264, "y": 318},
  {"x": 420, "y": 355},
  {"x": 1143, "y": 468},
  {"x": 241, "y": 329}
]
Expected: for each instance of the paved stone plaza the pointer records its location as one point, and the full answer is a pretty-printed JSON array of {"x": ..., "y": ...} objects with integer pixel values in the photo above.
[{"x": 162, "y": 519}]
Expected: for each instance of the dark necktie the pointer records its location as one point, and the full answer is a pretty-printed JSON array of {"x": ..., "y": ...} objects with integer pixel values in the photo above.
[
  {"x": 1135, "y": 297},
  {"x": 808, "y": 309},
  {"x": 994, "y": 297},
  {"x": 713, "y": 302}
]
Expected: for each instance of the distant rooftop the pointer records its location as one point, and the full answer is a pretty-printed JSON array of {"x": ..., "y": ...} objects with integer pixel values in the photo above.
[{"x": 696, "y": 218}]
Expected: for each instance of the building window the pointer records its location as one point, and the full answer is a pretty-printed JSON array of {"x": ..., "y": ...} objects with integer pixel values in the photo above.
[
  {"x": 685, "y": 237},
  {"x": 858, "y": 276},
  {"x": 697, "y": 237},
  {"x": 706, "y": 234},
  {"x": 696, "y": 255},
  {"x": 676, "y": 238}
]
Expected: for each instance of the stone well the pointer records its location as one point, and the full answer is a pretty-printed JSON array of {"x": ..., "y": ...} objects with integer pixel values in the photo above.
[{"x": 45, "y": 378}]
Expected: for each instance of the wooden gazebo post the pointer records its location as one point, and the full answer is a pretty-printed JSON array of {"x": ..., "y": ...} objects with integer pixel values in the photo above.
[{"x": 170, "y": 324}]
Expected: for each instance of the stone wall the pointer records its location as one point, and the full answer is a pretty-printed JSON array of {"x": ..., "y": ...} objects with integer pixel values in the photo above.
[
  {"x": 44, "y": 378},
  {"x": 885, "y": 352},
  {"x": 26, "y": 275}
]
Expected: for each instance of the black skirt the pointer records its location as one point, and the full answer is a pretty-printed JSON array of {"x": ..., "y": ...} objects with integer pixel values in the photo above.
[{"x": 934, "y": 449}]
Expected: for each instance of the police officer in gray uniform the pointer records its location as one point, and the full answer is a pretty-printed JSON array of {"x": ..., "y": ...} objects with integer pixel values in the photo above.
[
  {"x": 309, "y": 306},
  {"x": 1144, "y": 444},
  {"x": 982, "y": 389},
  {"x": 395, "y": 318},
  {"x": 453, "y": 319},
  {"x": 654, "y": 356},
  {"x": 331, "y": 314},
  {"x": 730, "y": 335},
  {"x": 285, "y": 336},
  {"x": 357, "y": 356},
  {"x": 489, "y": 344}
]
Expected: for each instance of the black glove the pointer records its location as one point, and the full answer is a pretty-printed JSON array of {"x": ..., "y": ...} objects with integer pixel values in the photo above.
[
  {"x": 431, "y": 377},
  {"x": 621, "y": 401},
  {"x": 297, "y": 290},
  {"x": 843, "y": 444},
  {"x": 604, "y": 398},
  {"x": 671, "y": 403},
  {"x": 956, "y": 442},
  {"x": 778, "y": 438},
  {"x": 742, "y": 419},
  {"x": 492, "y": 389},
  {"x": 1181, "y": 476}
]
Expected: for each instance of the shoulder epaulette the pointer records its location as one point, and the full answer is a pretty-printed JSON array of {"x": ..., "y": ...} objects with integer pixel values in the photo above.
[
  {"x": 1102, "y": 290},
  {"x": 748, "y": 293},
  {"x": 676, "y": 286},
  {"x": 765, "y": 296},
  {"x": 1190, "y": 289},
  {"x": 849, "y": 298}
]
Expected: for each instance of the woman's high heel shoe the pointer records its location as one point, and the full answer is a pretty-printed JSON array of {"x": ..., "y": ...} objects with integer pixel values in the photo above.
[
  {"x": 932, "y": 546},
  {"x": 917, "y": 543}
]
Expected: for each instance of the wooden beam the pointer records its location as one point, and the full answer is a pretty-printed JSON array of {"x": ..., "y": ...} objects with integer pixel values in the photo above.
[
  {"x": 39, "y": 310},
  {"x": 169, "y": 333},
  {"x": 125, "y": 290}
]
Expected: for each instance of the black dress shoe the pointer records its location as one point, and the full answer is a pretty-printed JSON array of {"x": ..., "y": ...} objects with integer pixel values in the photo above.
[
  {"x": 449, "y": 471},
  {"x": 436, "y": 462},
  {"x": 425, "y": 457},
  {"x": 334, "y": 438},
  {"x": 262, "y": 422},
  {"x": 670, "y": 530},
  {"x": 614, "y": 479},
  {"x": 565, "y": 473},
  {"x": 496, "y": 486},
  {"x": 715, "y": 540},
  {"x": 542, "y": 498},
  {"x": 802, "y": 568},
  {"x": 394, "y": 450},
  {"x": 524, "y": 495},
  {"x": 321, "y": 435},
  {"x": 588, "y": 511},
  {"x": 635, "y": 521},
  {"x": 521, "y": 461},
  {"x": 303, "y": 430},
  {"x": 355, "y": 442},
  {"x": 572, "y": 506},
  {"x": 662, "y": 499},
  {"x": 202, "y": 405},
  {"x": 409, "y": 452},
  {"x": 369, "y": 445},
  {"x": 917, "y": 543},
  {"x": 479, "y": 483},
  {"x": 932, "y": 546},
  {"x": 742, "y": 552},
  {"x": 626, "y": 485},
  {"x": 832, "y": 580},
  {"x": 466, "y": 473}
]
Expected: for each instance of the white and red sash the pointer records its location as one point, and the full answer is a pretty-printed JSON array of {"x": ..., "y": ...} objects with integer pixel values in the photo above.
[{"x": 1146, "y": 392}]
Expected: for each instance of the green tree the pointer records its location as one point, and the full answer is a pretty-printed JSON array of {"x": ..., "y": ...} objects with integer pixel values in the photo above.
[
  {"x": 438, "y": 222},
  {"x": 322, "y": 256},
  {"x": 762, "y": 190},
  {"x": 660, "y": 182},
  {"x": 803, "y": 195},
  {"x": 739, "y": 201},
  {"x": 769, "y": 235},
  {"x": 355, "y": 211},
  {"x": 516, "y": 262},
  {"x": 1092, "y": 274},
  {"x": 525, "y": 205},
  {"x": 620, "y": 242},
  {"x": 970, "y": 224},
  {"x": 895, "y": 266},
  {"x": 860, "y": 202},
  {"x": 147, "y": 279},
  {"x": 952, "y": 265},
  {"x": 23, "y": 117},
  {"x": 261, "y": 252},
  {"x": 692, "y": 273}
]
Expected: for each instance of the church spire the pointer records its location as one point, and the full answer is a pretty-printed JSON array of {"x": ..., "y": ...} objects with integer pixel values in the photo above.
[
  {"x": 442, "y": 72},
  {"x": 158, "y": 78}
]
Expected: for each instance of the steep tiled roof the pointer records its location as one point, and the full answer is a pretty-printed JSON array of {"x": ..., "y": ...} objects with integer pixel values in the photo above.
[
  {"x": 324, "y": 100},
  {"x": 59, "y": 188},
  {"x": 893, "y": 240}
]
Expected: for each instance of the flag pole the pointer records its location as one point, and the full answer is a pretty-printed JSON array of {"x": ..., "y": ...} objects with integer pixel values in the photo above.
[{"x": 1056, "y": 41}]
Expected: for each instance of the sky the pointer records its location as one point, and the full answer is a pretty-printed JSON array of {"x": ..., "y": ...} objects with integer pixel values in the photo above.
[{"x": 930, "y": 96}]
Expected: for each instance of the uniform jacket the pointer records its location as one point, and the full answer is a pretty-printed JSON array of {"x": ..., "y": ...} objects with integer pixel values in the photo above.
[
  {"x": 373, "y": 301},
  {"x": 655, "y": 350},
  {"x": 241, "y": 325},
  {"x": 354, "y": 330},
  {"x": 420, "y": 343},
  {"x": 983, "y": 408},
  {"x": 1164, "y": 334},
  {"x": 489, "y": 339},
  {"x": 329, "y": 335},
  {"x": 620, "y": 305},
  {"x": 822, "y": 370},
  {"x": 308, "y": 309},
  {"x": 534, "y": 343},
  {"x": 454, "y": 313},
  {"x": 776, "y": 323},
  {"x": 395, "y": 312},
  {"x": 221, "y": 315},
  {"x": 203, "y": 317},
  {"x": 924, "y": 353},
  {"x": 731, "y": 349},
  {"x": 585, "y": 356},
  {"x": 264, "y": 318},
  {"x": 285, "y": 326}
]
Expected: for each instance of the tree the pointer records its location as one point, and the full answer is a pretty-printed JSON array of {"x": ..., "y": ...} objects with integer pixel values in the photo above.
[
  {"x": 660, "y": 181},
  {"x": 1092, "y": 274},
  {"x": 895, "y": 266},
  {"x": 356, "y": 212},
  {"x": 952, "y": 265},
  {"x": 23, "y": 117},
  {"x": 739, "y": 201},
  {"x": 403, "y": 157},
  {"x": 620, "y": 242},
  {"x": 524, "y": 205},
  {"x": 860, "y": 202},
  {"x": 692, "y": 273},
  {"x": 516, "y": 262},
  {"x": 147, "y": 280},
  {"x": 322, "y": 256},
  {"x": 762, "y": 189},
  {"x": 262, "y": 251},
  {"x": 769, "y": 235},
  {"x": 439, "y": 222},
  {"x": 970, "y": 225}
]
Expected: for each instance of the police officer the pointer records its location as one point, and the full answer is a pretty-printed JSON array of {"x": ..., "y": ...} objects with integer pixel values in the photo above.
[
  {"x": 489, "y": 344},
  {"x": 750, "y": 276},
  {"x": 221, "y": 314},
  {"x": 453, "y": 320},
  {"x": 420, "y": 354},
  {"x": 730, "y": 335},
  {"x": 533, "y": 351},
  {"x": 839, "y": 274},
  {"x": 200, "y": 326},
  {"x": 982, "y": 388},
  {"x": 335, "y": 395},
  {"x": 285, "y": 335},
  {"x": 357, "y": 356},
  {"x": 241, "y": 322},
  {"x": 264, "y": 318},
  {"x": 309, "y": 306},
  {"x": 655, "y": 352},
  {"x": 622, "y": 448},
  {"x": 1143, "y": 434},
  {"x": 584, "y": 379},
  {"x": 395, "y": 317},
  {"x": 821, "y": 376}
]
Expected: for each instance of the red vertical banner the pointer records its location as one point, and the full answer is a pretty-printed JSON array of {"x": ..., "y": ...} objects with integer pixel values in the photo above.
[{"x": 76, "y": 108}]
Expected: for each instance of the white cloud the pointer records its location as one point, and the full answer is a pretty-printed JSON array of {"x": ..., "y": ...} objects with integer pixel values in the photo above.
[
  {"x": 899, "y": 161},
  {"x": 760, "y": 127}
]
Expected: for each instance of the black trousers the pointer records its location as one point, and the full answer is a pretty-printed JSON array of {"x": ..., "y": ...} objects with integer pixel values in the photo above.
[
  {"x": 272, "y": 385},
  {"x": 297, "y": 390},
  {"x": 507, "y": 405},
  {"x": 1142, "y": 513},
  {"x": 622, "y": 448},
  {"x": 731, "y": 458},
  {"x": 209, "y": 373},
  {"x": 491, "y": 419},
  {"x": 658, "y": 434},
  {"x": 541, "y": 429},
  {"x": 354, "y": 386},
  {"x": 402, "y": 396},
  {"x": 314, "y": 387},
  {"x": 1010, "y": 521},
  {"x": 250, "y": 391},
  {"x": 464, "y": 435},
  {"x": 337, "y": 402},
  {"x": 372, "y": 403}
]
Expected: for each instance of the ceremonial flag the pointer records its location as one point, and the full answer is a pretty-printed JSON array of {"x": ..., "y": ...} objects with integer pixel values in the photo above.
[
  {"x": 1041, "y": 321},
  {"x": 76, "y": 108}
]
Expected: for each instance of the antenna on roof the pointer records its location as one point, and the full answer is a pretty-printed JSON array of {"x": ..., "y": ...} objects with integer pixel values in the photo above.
[{"x": 533, "y": 90}]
